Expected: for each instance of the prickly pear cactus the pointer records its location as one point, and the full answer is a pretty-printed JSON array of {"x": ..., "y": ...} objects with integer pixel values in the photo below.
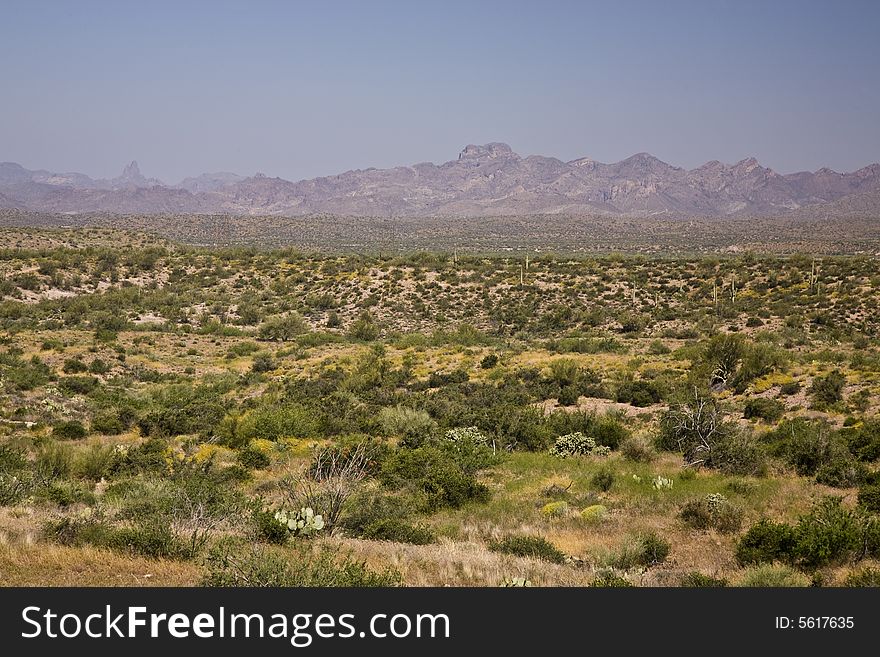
[
  {"x": 516, "y": 582},
  {"x": 304, "y": 522},
  {"x": 662, "y": 483}
]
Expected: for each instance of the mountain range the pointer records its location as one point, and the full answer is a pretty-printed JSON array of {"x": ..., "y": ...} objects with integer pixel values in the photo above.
[{"x": 487, "y": 180}]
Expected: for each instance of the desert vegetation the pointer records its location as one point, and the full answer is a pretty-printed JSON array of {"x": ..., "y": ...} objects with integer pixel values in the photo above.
[{"x": 181, "y": 415}]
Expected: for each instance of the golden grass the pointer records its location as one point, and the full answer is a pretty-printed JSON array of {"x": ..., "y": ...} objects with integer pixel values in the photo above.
[
  {"x": 451, "y": 563},
  {"x": 41, "y": 564}
]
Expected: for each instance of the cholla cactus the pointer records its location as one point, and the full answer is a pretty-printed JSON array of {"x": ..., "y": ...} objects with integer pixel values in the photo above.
[
  {"x": 304, "y": 522},
  {"x": 715, "y": 501},
  {"x": 577, "y": 443},
  {"x": 662, "y": 483},
  {"x": 572, "y": 444},
  {"x": 466, "y": 433}
]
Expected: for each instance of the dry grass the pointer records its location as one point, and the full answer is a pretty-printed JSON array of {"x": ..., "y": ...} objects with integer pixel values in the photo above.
[
  {"x": 451, "y": 563},
  {"x": 40, "y": 564}
]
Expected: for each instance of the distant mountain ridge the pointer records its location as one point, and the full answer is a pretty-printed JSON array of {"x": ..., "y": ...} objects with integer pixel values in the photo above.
[{"x": 484, "y": 180}]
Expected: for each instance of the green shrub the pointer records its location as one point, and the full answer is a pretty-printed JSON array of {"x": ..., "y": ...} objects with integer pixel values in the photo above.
[
  {"x": 639, "y": 393},
  {"x": 712, "y": 511},
  {"x": 232, "y": 564},
  {"x": 53, "y": 461},
  {"x": 765, "y": 542},
  {"x": 398, "y": 531},
  {"x": 658, "y": 348},
  {"x": 610, "y": 431},
  {"x": 610, "y": 579},
  {"x": 355, "y": 451},
  {"x": 812, "y": 449},
  {"x": 148, "y": 457},
  {"x": 237, "y": 350},
  {"x": 272, "y": 422},
  {"x": 263, "y": 363},
  {"x": 251, "y": 457},
  {"x": 435, "y": 475},
  {"x": 25, "y": 375},
  {"x": 867, "y": 577},
  {"x": 696, "y": 428},
  {"x": 442, "y": 379},
  {"x": 414, "y": 427},
  {"x": 364, "y": 328},
  {"x": 66, "y": 493},
  {"x": 766, "y": 409},
  {"x": 829, "y": 534},
  {"x": 78, "y": 385},
  {"x": 93, "y": 462},
  {"x": 645, "y": 551},
  {"x": 282, "y": 328},
  {"x": 565, "y": 371},
  {"x": 869, "y": 496},
  {"x": 370, "y": 507},
  {"x": 98, "y": 366},
  {"x": 652, "y": 549},
  {"x": 864, "y": 442},
  {"x": 827, "y": 390},
  {"x": 638, "y": 450},
  {"x": 109, "y": 422},
  {"x": 603, "y": 480},
  {"x": 74, "y": 366},
  {"x": 266, "y": 525},
  {"x": 699, "y": 580},
  {"x": 841, "y": 470},
  {"x": 70, "y": 430},
  {"x": 736, "y": 452},
  {"x": 182, "y": 409},
  {"x": 16, "y": 480},
  {"x": 772, "y": 576},
  {"x": 568, "y": 396},
  {"x": 536, "y": 547},
  {"x": 721, "y": 358},
  {"x": 152, "y": 539}
]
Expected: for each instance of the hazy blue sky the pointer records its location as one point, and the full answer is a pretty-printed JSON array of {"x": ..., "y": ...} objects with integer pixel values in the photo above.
[{"x": 300, "y": 89}]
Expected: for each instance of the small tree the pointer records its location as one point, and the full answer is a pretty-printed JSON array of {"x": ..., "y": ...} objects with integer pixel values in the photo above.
[
  {"x": 692, "y": 428},
  {"x": 283, "y": 328},
  {"x": 723, "y": 355},
  {"x": 697, "y": 429}
]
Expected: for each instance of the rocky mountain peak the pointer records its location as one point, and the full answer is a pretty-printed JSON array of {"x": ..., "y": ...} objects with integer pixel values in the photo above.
[
  {"x": 131, "y": 175},
  {"x": 748, "y": 164},
  {"x": 491, "y": 151},
  {"x": 131, "y": 170}
]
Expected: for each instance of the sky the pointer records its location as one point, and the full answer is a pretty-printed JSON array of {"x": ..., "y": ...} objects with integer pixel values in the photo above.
[{"x": 302, "y": 89}]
